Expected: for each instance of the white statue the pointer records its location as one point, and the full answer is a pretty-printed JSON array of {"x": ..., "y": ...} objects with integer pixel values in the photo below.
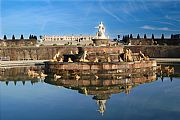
[
  {"x": 101, "y": 31},
  {"x": 83, "y": 59},
  {"x": 102, "y": 106}
]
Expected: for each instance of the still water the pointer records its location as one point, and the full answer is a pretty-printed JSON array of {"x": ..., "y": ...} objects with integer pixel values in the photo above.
[{"x": 135, "y": 98}]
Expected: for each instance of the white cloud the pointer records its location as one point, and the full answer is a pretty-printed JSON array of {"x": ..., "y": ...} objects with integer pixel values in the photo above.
[
  {"x": 148, "y": 27},
  {"x": 161, "y": 22},
  {"x": 111, "y": 13},
  {"x": 171, "y": 18},
  {"x": 164, "y": 29}
]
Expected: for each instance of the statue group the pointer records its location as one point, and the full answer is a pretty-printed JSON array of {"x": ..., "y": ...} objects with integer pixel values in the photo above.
[{"x": 128, "y": 56}]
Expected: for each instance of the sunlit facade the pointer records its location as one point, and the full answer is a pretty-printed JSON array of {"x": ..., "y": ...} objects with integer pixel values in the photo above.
[{"x": 71, "y": 37}]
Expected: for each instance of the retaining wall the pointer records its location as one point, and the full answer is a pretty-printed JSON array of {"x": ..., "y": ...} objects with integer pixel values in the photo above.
[
  {"x": 47, "y": 52},
  {"x": 154, "y": 51}
]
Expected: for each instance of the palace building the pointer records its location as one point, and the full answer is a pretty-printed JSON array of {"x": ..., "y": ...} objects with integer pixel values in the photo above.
[{"x": 70, "y": 37}]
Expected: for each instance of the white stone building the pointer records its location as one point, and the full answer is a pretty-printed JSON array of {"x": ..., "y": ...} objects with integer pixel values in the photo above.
[{"x": 46, "y": 38}]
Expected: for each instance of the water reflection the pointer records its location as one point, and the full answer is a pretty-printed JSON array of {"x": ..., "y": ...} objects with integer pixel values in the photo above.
[
  {"x": 18, "y": 74},
  {"x": 98, "y": 84},
  {"x": 166, "y": 71},
  {"x": 102, "y": 88}
]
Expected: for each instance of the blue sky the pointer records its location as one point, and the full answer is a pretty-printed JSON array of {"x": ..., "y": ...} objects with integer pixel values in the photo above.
[{"x": 66, "y": 17}]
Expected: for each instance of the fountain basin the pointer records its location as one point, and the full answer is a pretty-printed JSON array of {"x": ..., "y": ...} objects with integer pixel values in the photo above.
[
  {"x": 101, "y": 42},
  {"x": 56, "y": 66}
]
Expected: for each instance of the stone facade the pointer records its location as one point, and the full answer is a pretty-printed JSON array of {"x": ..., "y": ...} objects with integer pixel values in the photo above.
[
  {"x": 133, "y": 67},
  {"x": 70, "y": 37}
]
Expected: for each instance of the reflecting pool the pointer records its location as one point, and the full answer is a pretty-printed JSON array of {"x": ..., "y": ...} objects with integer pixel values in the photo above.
[{"x": 138, "y": 97}]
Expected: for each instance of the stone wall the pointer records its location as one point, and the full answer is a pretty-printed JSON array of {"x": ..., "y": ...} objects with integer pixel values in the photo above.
[
  {"x": 47, "y": 52},
  {"x": 18, "y": 42},
  {"x": 150, "y": 41},
  {"x": 157, "y": 51},
  {"x": 143, "y": 41}
]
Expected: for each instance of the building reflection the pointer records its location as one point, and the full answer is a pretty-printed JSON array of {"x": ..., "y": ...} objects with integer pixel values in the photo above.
[
  {"x": 104, "y": 86},
  {"x": 98, "y": 84}
]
